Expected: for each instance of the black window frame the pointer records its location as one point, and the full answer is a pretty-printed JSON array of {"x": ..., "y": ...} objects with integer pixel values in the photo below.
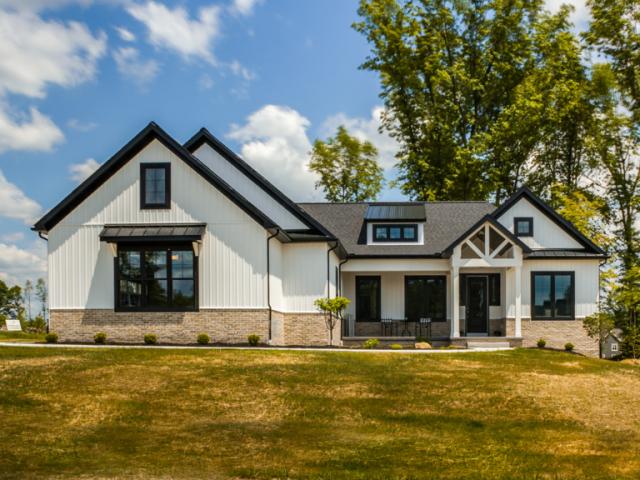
[
  {"x": 494, "y": 288},
  {"x": 528, "y": 220},
  {"x": 378, "y": 279},
  {"x": 388, "y": 227},
  {"x": 553, "y": 275},
  {"x": 144, "y": 205},
  {"x": 168, "y": 248},
  {"x": 442, "y": 278}
]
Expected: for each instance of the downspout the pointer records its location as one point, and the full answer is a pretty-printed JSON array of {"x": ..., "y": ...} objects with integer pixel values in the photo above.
[
  {"x": 340, "y": 292},
  {"x": 335, "y": 245},
  {"x": 46, "y": 240},
  {"x": 269, "y": 279}
]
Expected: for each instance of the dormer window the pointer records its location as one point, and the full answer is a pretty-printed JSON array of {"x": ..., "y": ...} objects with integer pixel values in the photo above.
[
  {"x": 155, "y": 182},
  {"x": 523, "y": 226},
  {"x": 395, "y": 233}
]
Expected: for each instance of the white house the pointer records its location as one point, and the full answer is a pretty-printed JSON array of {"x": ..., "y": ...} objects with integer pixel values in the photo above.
[{"x": 179, "y": 240}]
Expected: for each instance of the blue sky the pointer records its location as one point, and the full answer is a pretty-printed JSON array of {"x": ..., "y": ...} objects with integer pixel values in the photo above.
[{"x": 79, "y": 78}]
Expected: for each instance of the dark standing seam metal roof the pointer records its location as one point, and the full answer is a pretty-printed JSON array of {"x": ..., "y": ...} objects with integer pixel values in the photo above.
[
  {"x": 445, "y": 221},
  {"x": 150, "y": 233},
  {"x": 396, "y": 212}
]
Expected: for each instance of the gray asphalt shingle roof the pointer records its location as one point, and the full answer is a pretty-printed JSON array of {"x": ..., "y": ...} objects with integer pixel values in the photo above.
[{"x": 445, "y": 222}]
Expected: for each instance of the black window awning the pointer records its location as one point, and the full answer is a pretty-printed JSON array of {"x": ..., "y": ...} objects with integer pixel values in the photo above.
[{"x": 152, "y": 233}]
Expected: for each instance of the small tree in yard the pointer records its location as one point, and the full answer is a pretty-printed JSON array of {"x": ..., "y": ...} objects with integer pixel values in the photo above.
[
  {"x": 598, "y": 326},
  {"x": 332, "y": 309}
]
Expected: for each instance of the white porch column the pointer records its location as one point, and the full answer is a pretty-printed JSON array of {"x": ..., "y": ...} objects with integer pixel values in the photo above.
[
  {"x": 455, "y": 301},
  {"x": 518, "y": 302}
]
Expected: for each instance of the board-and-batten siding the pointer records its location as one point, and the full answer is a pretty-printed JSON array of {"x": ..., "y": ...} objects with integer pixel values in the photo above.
[
  {"x": 233, "y": 257},
  {"x": 304, "y": 275},
  {"x": 247, "y": 188},
  {"x": 546, "y": 233}
]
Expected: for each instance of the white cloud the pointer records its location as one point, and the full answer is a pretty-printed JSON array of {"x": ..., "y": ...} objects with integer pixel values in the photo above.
[
  {"x": 243, "y": 7},
  {"x": 125, "y": 35},
  {"x": 239, "y": 70},
  {"x": 18, "y": 265},
  {"x": 81, "y": 171},
  {"x": 81, "y": 126},
  {"x": 205, "y": 82},
  {"x": 12, "y": 237},
  {"x": 366, "y": 129},
  {"x": 15, "y": 204},
  {"x": 35, "y": 132},
  {"x": 174, "y": 30},
  {"x": 274, "y": 141},
  {"x": 130, "y": 65},
  {"x": 37, "y": 5},
  {"x": 35, "y": 52},
  {"x": 581, "y": 15}
]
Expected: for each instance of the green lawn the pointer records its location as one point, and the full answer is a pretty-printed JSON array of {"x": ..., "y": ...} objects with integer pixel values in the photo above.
[
  {"x": 21, "y": 337},
  {"x": 260, "y": 414}
]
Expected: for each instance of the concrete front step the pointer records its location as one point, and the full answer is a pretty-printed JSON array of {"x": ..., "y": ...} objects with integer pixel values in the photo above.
[{"x": 474, "y": 344}]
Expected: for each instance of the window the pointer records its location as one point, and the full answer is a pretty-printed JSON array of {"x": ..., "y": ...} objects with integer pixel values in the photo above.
[
  {"x": 494, "y": 289},
  {"x": 614, "y": 347},
  {"x": 156, "y": 279},
  {"x": 155, "y": 181},
  {"x": 425, "y": 297},
  {"x": 395, "y": 233},
  {"x": 523, "y": 226},
  {"x": 552, "y": 295},
  {"x": 368, "y": 299}
]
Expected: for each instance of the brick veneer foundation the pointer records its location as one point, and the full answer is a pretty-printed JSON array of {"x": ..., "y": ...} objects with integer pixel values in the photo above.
[
  {"x": 223, "y": 326},
  {"x": 556, "y": 333}
]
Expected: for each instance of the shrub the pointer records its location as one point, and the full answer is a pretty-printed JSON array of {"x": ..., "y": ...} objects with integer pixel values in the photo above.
[
  {"x": 396, "y": 346},
  {"x": 568, "y": 347},
  {"x": 203, "y": 339},
  {"x": 542, "y": 343},
  {"x": 100, "y": 338},
  {"x": 37, "y": 325},
  {"x": 51, "y": 337},
  {"x": 150, "y": 339},
  {"x": 371, "y": 343},
  {"x": 253, "y": 339}
]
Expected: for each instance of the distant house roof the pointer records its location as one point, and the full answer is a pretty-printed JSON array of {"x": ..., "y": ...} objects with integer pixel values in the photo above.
[{"x": 443, "y": 223}]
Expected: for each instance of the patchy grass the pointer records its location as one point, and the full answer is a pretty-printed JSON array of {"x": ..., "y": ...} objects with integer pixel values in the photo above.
[
  {"x": 21, "y": 337},
  {"x": 271, "y": 414}
]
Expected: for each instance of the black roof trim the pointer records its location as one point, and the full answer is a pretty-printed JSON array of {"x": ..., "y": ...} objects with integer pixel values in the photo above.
[
  {"x": 151, "y": 132},
  {"x": 205, "y": 136},
  {"x": 392, "y": 255},
  {"x": 551, "y": 213},
  {"x": 487, "y": 218}
]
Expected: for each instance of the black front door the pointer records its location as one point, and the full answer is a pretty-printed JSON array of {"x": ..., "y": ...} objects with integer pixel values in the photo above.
[{"x": 477, "y": 304}]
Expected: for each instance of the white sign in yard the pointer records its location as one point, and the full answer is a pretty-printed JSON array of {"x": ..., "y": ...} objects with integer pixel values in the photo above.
[{"x": 13, "y": 325}]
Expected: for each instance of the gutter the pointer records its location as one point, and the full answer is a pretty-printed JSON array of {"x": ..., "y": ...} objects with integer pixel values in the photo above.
[{"x": 269, "y": 279}]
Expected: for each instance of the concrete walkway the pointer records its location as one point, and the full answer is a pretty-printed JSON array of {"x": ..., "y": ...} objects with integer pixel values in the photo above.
[{"x": 221, "y": 347}]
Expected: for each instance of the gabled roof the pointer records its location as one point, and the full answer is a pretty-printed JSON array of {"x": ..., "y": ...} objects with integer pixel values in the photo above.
[
  {"x": 445, "y": 221},
  {"x": 558, "y": 219},
  {"x": 493, "y": 222},
  {"x": 151, "y": 132},
  {"x": 203, "y": 136}
]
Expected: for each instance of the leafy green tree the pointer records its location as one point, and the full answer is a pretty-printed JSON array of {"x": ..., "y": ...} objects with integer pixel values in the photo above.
[
  {"x": 332, "y": 309},
  {"x": 348, "y": 168},
  {"x": 42, "y": 296},
  {"x": 598, "y": 326},
  {"x": 11, "y": 301},
  {"x": 28, "y": 291}
]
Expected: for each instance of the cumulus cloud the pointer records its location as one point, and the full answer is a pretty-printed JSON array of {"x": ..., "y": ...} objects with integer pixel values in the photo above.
[
  {"x": 174, "y": 30},
  {"x": 15, "y": 204},
  {"x": 36, "y": 52},
  {"x": 34, "y": 131},
  {"x": 81, "y": 171},
  {"x": 581, "y": 15},
  {"x": 125, "y": 35},
  {"x": 243, "y": 7},
  {"x": 366, "y": 129},
  {"x": 132, "y": 66},
  {"x": 274, "y": 140},
  {"x": 18, "y": 264}
]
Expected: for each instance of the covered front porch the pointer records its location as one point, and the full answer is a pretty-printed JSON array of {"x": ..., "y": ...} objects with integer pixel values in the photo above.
[{"x": 474, "y": 295}]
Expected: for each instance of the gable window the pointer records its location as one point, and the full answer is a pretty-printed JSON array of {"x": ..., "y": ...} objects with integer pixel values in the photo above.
[
  {"x": 155, "y": 181},
  {"x": 552, "y": 295},
  {"x": 614, "y": 347},
  {"x": 156, "y": 279},
  {"x": 395, "y": 233},
  {"x": 523, "y": 226}
]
